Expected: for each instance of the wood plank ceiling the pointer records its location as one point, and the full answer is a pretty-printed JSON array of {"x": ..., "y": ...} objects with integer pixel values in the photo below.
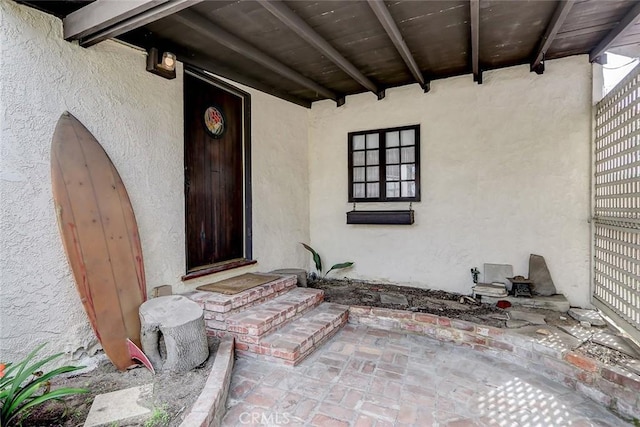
[{"x": 305, "y": 51}]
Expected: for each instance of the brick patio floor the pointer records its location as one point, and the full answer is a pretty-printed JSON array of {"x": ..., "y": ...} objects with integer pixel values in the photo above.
[{"x": 370, "y": 377}]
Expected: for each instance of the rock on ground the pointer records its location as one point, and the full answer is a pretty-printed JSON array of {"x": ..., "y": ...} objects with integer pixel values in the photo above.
[{"x": 583, "y": 315}]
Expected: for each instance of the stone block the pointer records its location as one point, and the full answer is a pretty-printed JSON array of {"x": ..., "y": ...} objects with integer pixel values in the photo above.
[
  {"x": 533, "y": 318},
  {"x": 299, "y": 273},
  {"x": 591, "y": 316},
  {"x": 540, "y": 275},
  {"x": 556, "y": 302},
  {"x": 393, "y": 299},
  {"x": 513, "y": 324},
  {"x": 111, "y": 408}
]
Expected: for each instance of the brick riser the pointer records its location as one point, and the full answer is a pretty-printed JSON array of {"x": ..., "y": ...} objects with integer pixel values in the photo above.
[
  {"x": 218, "y": 307},
  {"x": 291, "y": 344},
  {"x": 246, "y": 328}
]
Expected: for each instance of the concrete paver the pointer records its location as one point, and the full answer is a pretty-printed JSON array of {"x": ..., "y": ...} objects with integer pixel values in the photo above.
[{"x": 370, "y": 377}]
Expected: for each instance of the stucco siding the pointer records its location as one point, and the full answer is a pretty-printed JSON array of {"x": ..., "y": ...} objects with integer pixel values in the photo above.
[
  {"x": 137, "y": 117},
  {"x": 505, "y": 172}
]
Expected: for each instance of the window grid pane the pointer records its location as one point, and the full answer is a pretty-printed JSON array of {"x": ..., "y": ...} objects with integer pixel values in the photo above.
[
  {"x": 392, "y": 139},
  {"x": 408, "y": 137},
  {"x": 408, "y": 172},
  {"x": 393, "y": 173},
  {"x": 372, "y": 140},
  {"x": 393, "y": 189},
  {"x": 373, "y": 190},
  {"x": 393, "y": 156},
  {"x": 358, "y": 158},
  {"x": 408, "y": 154},
  {"x": 373, "y": 173},
  {"x": 372, "y": 157},
  {"x": 408, "y": 188}
]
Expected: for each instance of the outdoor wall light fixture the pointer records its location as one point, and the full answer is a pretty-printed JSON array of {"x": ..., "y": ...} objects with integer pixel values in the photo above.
[{"x": 165, "y": 67}]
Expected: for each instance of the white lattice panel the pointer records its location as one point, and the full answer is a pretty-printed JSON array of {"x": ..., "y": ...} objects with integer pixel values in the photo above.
[{"x": 617, "y": 203}]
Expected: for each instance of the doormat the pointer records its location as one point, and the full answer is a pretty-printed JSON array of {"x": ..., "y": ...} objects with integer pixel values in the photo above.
[{"x": 238, "y": 284}]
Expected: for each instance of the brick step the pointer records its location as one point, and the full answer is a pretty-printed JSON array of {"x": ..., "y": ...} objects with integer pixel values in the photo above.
[
  {"x": 292, "y": 343},
  {"x": 218, "y": 307},
  {"x": 254, "y": 323}
]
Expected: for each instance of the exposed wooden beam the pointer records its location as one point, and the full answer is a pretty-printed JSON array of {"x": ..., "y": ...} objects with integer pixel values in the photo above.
[
  {"x": 475, "y": 40},
  {"x": 558, "y": 18},
  {"x": 205, "y": 63},
  {"x": 101, "y": 14},
  {"x": 144, "y": 39},
  {"x": 628, "y": 21},
  {"x": 390, "y": 26},
  {"x": 104, "y": 19},
  {"x": 304, "y": 30},
  {"x": 195, "y": 22}
]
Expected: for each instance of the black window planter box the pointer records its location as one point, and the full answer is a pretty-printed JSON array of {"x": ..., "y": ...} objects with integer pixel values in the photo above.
[{"x": 380, "y": 217}]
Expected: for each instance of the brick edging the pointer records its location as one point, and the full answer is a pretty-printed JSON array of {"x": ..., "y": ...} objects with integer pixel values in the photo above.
[
  {"x": 209, "y": 408},
  {"x": 611, "y": 386}
]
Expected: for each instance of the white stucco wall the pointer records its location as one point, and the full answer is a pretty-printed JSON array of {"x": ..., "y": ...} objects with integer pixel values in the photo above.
[
  {"x": 505, "y": 172},
  {"x": 137, "y": 117}
]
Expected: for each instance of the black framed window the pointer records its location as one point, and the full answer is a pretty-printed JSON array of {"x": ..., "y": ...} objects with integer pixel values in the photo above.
[{"x": 384, "y": 165}]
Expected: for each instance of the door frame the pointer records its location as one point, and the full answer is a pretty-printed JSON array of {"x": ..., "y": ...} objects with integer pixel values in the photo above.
[{"x": 246, "y": 179}]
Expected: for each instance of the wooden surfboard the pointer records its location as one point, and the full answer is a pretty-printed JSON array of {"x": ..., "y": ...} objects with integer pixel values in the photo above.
[{"x": 100, "y": 237}]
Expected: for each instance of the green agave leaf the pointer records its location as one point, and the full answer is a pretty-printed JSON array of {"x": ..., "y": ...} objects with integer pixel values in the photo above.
[
  {"x": 316, "y": 257},
  {"x": 340, "y": 266}
]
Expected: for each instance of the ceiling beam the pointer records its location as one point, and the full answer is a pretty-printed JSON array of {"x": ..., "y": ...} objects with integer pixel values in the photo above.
[
  {"x": 205, "y": 63},
  {"x": 625, "y": 23},
  {"x": 104, "y": 19},
  {"x": 558, "y": 18},
  {"x": 203, "y": 26},
  {"x": 475, "y": 40},
  {"x": 304, "y": 30},
  {"x": 390, "y": 26}
]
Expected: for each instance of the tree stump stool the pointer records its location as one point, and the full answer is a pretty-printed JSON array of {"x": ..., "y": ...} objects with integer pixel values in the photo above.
[{"x": 180, "y": 322}]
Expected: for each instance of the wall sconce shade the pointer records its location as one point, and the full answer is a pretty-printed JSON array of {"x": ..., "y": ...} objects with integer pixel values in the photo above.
[{"x": 166, "y": 67}]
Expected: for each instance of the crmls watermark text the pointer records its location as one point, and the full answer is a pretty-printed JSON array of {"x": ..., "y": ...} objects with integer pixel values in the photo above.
[{"x": 260, "y": 418}]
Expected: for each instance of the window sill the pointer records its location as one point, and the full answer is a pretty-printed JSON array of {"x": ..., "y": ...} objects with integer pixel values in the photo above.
[
  {"x": 217, "y": 268},
  {"x": 380, "y": 217}
]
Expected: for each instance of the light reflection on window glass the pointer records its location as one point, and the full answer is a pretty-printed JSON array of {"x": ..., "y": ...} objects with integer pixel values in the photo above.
[
  {"x": 408, "y": 189},
  {"x": 408, "y": 172}
]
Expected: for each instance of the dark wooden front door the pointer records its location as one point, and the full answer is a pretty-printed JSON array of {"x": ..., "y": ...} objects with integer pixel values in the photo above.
[{"x": 213, "y": 176}]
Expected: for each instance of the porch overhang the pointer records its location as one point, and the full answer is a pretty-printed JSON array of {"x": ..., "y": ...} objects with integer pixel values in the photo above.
[{"x": 306, "y": 51}]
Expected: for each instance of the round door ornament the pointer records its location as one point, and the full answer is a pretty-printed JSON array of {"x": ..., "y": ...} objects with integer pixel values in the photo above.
[{"x": 214, "y": 122}]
